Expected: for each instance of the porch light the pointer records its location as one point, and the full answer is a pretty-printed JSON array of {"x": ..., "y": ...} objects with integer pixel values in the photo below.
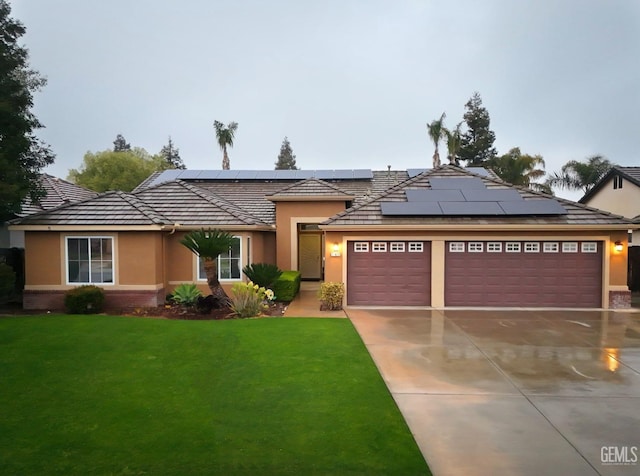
[
  {"x": 335, "y": 249},
  {"x": 618, "y": 246}
]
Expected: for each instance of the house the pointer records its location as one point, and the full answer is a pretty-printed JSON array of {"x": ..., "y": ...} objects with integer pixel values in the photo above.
[
  {"x": 619, "y": 192},
  {"x": 445, "y": 237}
]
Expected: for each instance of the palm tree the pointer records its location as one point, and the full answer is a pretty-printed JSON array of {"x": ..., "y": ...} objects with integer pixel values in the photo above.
[
  {"x": 208, "y": 244},
  {"x": 435, "y": 130},
  {"x": 583, "y": 176},
  {"x": 454, "y": 140},
  {"x": 225, "y": 136},
  {"x": 520, "y": 169}
]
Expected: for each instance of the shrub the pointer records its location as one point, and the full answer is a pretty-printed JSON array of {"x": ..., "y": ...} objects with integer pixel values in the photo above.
[
  {"x": 186, "y": 294},
  {"x": 7, "y": 281},
  {"x": 249, "y": 299},
  {"x": 262, "y": 274},
  {"x": 84, "y": 300},
  {"x": 287, "y": 285},
  {"x": 331, "y": 295}
]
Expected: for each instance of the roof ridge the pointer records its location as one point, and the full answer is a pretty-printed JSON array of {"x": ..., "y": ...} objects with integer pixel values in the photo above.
[
  {"x": 299, "y": 183},
  {"x": 63, "y": 205},
  {"x": 144, "y": 208}
]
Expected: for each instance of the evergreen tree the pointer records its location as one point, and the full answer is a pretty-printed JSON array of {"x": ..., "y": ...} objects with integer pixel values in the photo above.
[
  {"x": 286, "y": 157},
  {"x": 171, "y": 154},
  {"x": 120, "y": 144},
  {"x": 477, "y": 142},
  {"x": 22, "y": 154}
]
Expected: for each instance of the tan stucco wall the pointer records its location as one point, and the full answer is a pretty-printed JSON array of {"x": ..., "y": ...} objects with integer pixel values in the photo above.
[
  {"x": 43, "y": 260},
  {"x": 139, "y": 258},
  {"x": 623, "y": 201},
  {"x": 288, "y": 215}
]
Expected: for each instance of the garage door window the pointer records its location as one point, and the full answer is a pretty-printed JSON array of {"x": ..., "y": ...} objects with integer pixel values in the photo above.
[
  {"x": 476, "y": 247},
  {"x": 361, "y": 247},
  {"x": 494, "y": 247},
  {"x": 379, "y": 247},
  {"x": 532, "y": 247},
  {"x": 570, "y": 247},
  {"x": 589, "y": 247},
  {"x": 416, "y": 247},
  {"x": 397, "y": 247},
  {"x": 456, "y": 247},
  {"x": 513, "y": 247},
  {"x": 551, "y": 247}
]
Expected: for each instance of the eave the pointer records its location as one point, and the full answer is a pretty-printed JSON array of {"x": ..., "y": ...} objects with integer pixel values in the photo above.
[{"x": 483, "y": 227}]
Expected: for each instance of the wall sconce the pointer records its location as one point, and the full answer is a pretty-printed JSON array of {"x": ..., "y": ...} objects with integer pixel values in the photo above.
[
  {"x": 335, "y": 249},
  {"x": 618, "y": 246}
]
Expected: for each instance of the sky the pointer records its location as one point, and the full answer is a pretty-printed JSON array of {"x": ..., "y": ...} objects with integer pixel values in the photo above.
[{"x": 351, "y": 83}]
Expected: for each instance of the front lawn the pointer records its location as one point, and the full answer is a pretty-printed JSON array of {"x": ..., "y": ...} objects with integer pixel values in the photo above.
[{"x": 132, "y": 396}]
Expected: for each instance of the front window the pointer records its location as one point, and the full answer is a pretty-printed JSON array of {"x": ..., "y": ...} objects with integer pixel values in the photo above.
[
  {"x": 90, "y": 260},
  {"x": 229, "y": 263}
]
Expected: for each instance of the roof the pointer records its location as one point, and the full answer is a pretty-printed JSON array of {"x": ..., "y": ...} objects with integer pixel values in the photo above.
[
  {"x": 57, "y": 192},
  {"x": 311, "y": 189},
  {"x": 630, "y": 174},
  {"x": 369, "y": 213}
]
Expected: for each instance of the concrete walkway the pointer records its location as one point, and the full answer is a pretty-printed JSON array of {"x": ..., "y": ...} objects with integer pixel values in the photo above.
[
  {"x": 307, "y": 304},
  {"x": 513, "y": 392}
]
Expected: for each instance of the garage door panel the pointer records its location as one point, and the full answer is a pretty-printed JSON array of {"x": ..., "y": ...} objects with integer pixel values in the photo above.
[{"x": 389, "y": 278}]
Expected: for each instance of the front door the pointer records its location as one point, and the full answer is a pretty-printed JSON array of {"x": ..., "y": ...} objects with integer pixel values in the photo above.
[{"x": 310, "y": 255}]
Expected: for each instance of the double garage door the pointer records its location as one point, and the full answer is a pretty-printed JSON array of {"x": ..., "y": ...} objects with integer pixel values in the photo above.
[{"x": 477, "y": 273}]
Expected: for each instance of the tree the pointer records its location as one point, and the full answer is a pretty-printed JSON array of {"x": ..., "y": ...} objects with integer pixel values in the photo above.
[
  {"x": 208, "y": 244},
  {"x": 435, "y": 130},
  {"x": 120, "y": 144},
  {"x": 477, "y": 142},
  {"x": 22, "y": 154},
  {"x": 225, "y": 136},
  {"x": 109, "y": 170},
  {"x": 171, "y": 155},
  {"x": 286, "y": 157},
  {"x": 454, "y": 139},
  {"x": 583, "y": 176},
  {"x": 520, "y": 169}
]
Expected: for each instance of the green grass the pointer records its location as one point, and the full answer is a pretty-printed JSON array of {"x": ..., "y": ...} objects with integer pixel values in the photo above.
[{"x": 132, "y": 396}]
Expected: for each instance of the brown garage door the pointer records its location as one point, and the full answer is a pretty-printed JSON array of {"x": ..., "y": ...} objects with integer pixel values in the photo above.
[
  {"x": 523, "y": 274},
  {"x": 389, "y": 273}
]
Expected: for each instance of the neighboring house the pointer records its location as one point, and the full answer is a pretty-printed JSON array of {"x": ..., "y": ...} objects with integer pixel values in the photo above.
[
  {"x": 619, "y": 192},
  {"x": 443, "y": 238}
]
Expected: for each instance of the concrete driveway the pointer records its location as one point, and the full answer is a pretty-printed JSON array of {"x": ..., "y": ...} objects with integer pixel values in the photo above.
[{"x": 513, "y": 392}]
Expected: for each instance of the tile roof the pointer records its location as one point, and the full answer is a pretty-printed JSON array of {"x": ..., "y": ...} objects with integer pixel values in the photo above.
[
  {"x": 369, "y": 212},
  {"x": 631, "y": 174},
  {"x": 311, "y": 188},
  {"x": 57, "y": 192}
]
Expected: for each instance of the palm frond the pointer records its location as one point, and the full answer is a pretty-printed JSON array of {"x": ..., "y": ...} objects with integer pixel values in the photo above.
[{"x": 208, "y": 244}]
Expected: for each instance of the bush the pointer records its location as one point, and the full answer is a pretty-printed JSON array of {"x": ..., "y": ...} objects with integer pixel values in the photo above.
[
  {"x": 287, "y": 285},
  {"x": 84, "y": 300},
  {"x": 249, "y": 299},
  {"x": 331, "y": 295},
  {"x": 186, "y": 294},
  {"x": 7, "y": 281},
  {"x": 262, "y": 274}
]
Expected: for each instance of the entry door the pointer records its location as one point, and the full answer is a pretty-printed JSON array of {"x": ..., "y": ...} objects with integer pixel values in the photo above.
[{"x": 310, "y": 255}]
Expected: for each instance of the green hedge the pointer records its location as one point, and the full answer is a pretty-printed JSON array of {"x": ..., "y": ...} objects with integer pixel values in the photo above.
[
  {"x": 287, "y": 286},
  {"x": 84, "y": 300}
]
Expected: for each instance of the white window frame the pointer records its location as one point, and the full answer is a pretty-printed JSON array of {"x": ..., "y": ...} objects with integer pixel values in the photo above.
[
  {"x": 397, "y": 247},
  {"x": 589, "y": 247},
  {"x": 494, "y": 247},
  {"x": 551, "y": 247},
  {"x": 222, "y": 280},
  {"x": 475, "y": 247},
  {"x": 570, "y": 247},
  {"x": 456, "y": 247},
  {"x": 416, "y": 247},
  {"x": 532, "y": 247},
  {"x": 361, "y": 247},
  {"x": 379, "y": 247},
  {"x": 89, "y": 238},
  {"x": 513, "y": 247}
]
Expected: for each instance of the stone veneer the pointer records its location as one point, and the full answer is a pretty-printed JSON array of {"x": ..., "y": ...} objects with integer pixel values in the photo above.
[{"x": 619, "y": 299}]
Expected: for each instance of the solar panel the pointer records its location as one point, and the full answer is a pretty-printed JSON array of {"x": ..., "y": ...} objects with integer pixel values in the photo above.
[
  {"x": 544, "y": 206},
  {"x": 359, "y": 174},
  {"x": 456, "y": 183},
  {"x": 246, "y": 174},
  {"x": 189, "y": 174},
  {"x": 209, "y": 174},
  {"x": 471, "y": 208},
  {"x": 410, "y": 209},
  {"x": 323, "y": 174},
  {"x": 478, "y": 171},
  {"x": 491, "y": 195},
  {"x": 265, "y": 174},
  {"x": 415, "y": 172},
  {"x": 423, "y": 195}
]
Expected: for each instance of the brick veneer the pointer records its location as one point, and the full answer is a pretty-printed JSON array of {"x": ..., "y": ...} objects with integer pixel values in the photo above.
[
  {"x": 619, "y": 299},
  {"x": 54, "y": 300}
]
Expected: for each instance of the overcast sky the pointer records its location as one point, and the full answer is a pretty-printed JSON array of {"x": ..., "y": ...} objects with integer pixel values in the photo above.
[{"x": 351, "y": 83}]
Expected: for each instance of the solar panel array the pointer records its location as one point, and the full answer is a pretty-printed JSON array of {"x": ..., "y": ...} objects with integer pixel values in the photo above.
[
  {"x": 469, "y": 197},
  {"x": 476, "y": 170},
  {"x": 342, "y": 174}
]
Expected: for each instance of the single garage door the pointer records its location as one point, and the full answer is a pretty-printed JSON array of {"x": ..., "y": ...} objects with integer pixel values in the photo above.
[
  {"x": 389, "y": 273},
  {"x": 523, "y": 273}
]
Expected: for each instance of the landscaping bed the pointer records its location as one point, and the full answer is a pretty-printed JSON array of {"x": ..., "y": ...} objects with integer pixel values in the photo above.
[{"x": 174, "y": 311}]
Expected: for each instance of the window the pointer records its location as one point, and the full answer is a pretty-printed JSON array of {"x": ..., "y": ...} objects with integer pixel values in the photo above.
[
  {"x": 617, "y": 182},
  {"x": 456, "y": 247},
  {"x": 551, "y": 247},
  {"x": 379, "y": 246},
  {"x": 361, "y": 246},
  {"x": 90, "y": 260},
  {"x": 513, "y": 247},
  {"x": 229, "y": 263},
  {"x": 416, "y": 247},
  {"x": 397, "y": 247},
  {"x": 589, "y": 247},
  {"x": 570, "y": 247},
  {"x": 494, "y": 247},
  {"x": 476, "y": 247},
  {"x": 532, "y": 247}
]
